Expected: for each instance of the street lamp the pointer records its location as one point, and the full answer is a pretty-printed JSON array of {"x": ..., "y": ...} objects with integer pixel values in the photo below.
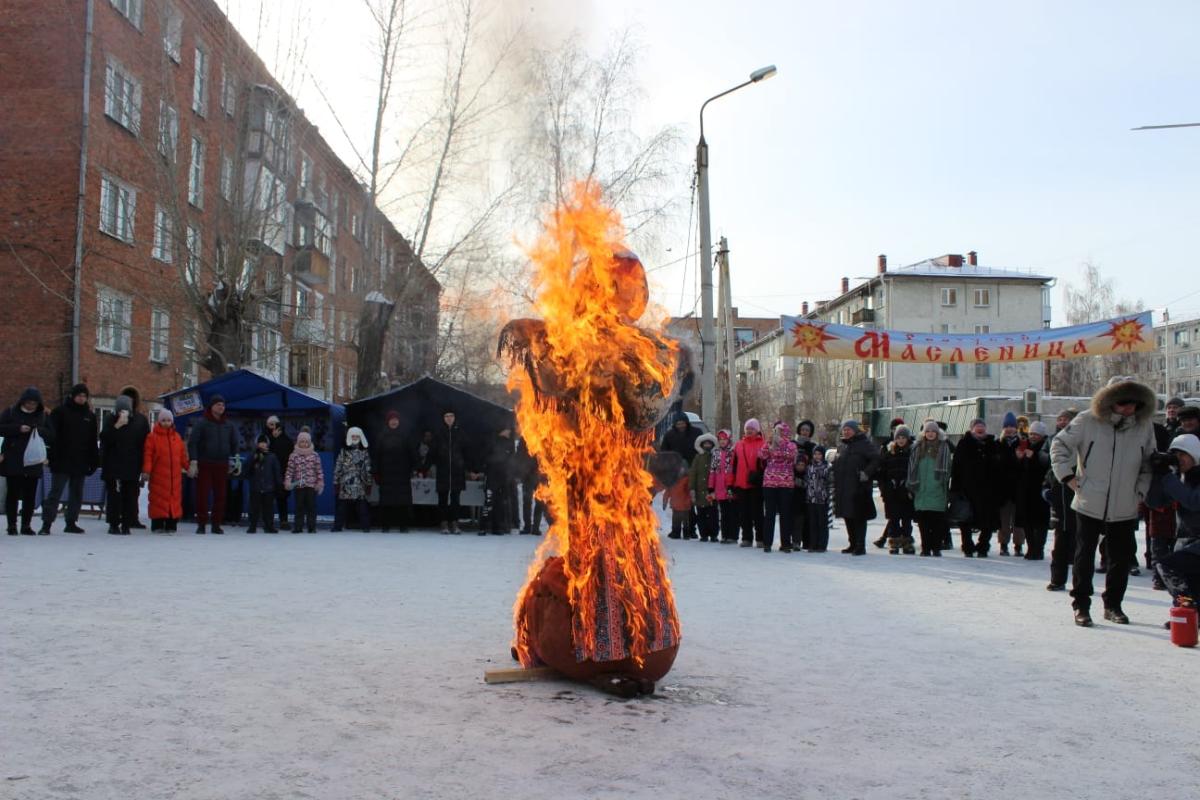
[{"x": 708, "y": 371}]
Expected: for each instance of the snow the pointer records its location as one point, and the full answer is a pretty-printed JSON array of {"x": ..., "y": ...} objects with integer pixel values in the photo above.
[{"x": 350, "y": 666}]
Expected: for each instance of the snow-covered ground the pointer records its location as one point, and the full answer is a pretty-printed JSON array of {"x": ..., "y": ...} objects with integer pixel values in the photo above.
[{"x": 351, "y": 666}]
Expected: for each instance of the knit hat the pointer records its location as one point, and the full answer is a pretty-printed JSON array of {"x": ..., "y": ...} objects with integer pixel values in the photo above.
[
  {"x": 392, "y": 415},
  {"x": 930, "y": 425},
  {"x": 896, "y": 422},
  {"x": 702, "y": 438},
  {"x": 977, "y": 421},
  {"x": 902, "y": 430},
  {"x": 1187, "y": 443},
  {"x": 852, "y": 424},
  {"x": 1010, "y": 421},
  {"x": 724, "y": 433},
  {"x": 164, "y": 413},
  {"x": 819, "y": 449},
  {"x": 123, "y": 403},
  {"x": 752, "y": 425},
  {"x": 78, "y": 389},
  {"x": 212, "y": 401},
  {"x": 1175, "y": 401},
  {"x": 1188, "y": 412},
  {"x": 1039, "y": 428}
]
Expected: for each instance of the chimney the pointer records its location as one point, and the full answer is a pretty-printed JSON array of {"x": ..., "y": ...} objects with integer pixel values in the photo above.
[
  {"x": 845, "y": 285},
  {"x": 882, "y": 263},
  {"x": 973, "y": 258},
  {"x": 804, "y": 309}
]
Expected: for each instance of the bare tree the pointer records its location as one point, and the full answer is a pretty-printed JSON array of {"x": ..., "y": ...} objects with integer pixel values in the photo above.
[
  {"x": 581, "y": 110},
  {"x": 1093, "y": 300}
]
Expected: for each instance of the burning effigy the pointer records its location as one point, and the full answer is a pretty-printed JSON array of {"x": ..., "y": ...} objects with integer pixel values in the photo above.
[{"x": 597, "y": 604}]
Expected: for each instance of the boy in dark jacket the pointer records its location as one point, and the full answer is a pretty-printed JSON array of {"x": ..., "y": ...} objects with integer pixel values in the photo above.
[{"x": 266, "y": 481}]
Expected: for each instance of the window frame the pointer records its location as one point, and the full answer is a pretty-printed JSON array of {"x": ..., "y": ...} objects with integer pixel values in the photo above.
[
  {"x": 123, "y": 102},
  {"x": 196, "y": 173},
  {"x": 195, "y": 244},
  {"x": 172, "y": 24},
  {"x": 163, "y": 246},
  {"x": 985, "y": 295},
  {"x": 126, "y": 197},
  {"x": 131, "y": 10},
  {"x": 200, "y": 80},
  {"x": 949, "y": 297},
  {"x": 160, "y": 335},
  {"x": 111, "y": 333}
]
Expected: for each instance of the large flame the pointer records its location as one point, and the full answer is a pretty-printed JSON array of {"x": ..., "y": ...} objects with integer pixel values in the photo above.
[{"x": 578, "y": 421}]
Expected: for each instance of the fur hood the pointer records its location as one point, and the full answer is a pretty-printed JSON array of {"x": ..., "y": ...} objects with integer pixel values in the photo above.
[
  {"x": 1124, "y": 387},
  {"x": 705, "y": 437}
]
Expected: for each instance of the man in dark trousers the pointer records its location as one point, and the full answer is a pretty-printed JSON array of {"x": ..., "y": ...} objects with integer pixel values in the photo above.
[
  {"x": 499, "y": 482},
  {"x": 211, "y": 443},
  {"x": 1104, "y": 457},
  {"x": 1180, "y": 483},
  {"x": 280, "y": 445},
  {"x": 450, "y": 466},
  {"x": 74, "y": 454},
  {"x": 1063, "y": 518},
  {"x": 122, "y": 446}
]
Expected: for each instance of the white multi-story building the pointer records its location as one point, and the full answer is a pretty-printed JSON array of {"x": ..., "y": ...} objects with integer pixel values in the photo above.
[
  {"x": 948, "y": 294},
  {"x": 1173, "y": 369}
]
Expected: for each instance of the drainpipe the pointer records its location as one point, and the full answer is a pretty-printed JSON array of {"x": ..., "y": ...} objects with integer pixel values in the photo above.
[{"x": 77, "y": 294}]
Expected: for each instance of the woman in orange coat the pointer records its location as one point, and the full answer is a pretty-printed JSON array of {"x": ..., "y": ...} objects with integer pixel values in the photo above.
[{"x": 164, "y": 462}]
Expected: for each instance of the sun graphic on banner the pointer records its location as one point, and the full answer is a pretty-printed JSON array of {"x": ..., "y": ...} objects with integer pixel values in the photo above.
[
  {"x": 1126, "y": 333},
  {"x": 810, "y": 338}
]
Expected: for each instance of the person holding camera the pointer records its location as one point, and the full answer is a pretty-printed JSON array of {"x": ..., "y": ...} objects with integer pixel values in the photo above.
[
  {"x": 1103, "y": 456},
  {"x": 1177, "y": 481}
]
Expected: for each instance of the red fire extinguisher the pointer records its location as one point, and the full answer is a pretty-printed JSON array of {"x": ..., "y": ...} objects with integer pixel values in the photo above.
[{"x": 1183, "y": 626}]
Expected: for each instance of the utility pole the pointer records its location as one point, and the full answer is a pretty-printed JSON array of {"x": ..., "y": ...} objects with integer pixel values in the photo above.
[
  {"x": 730, "y": 338},
  {"x": 1167, "y": 353}
]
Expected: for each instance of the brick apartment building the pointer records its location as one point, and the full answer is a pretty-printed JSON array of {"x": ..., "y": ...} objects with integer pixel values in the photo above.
[{"x": 154, "y": 175}]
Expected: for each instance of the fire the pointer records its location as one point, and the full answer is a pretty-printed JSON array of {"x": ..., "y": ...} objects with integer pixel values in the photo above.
[{"x": 587, "y": 365}]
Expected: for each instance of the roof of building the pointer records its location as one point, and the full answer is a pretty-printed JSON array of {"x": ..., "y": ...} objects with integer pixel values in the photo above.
[{"x": 930, "y": 268}]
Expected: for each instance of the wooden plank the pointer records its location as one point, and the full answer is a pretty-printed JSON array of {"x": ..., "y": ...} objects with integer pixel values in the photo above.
[{"x": 520, "y": 675}]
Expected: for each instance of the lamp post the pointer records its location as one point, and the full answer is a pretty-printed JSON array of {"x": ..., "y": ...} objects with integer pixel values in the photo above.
[{"x": 708, "y": 371}]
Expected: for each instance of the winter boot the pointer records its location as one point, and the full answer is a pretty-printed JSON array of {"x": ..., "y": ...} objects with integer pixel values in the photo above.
[
  {"x": 1115, "y": 614},
  {"x": 906, "y": 544},
  {"x": 1003, "y": 549},
  {"x": 73, "y": 528},
  {"x": 893, "y": 543},
  {"x": 881, "y": 541},
  {"x": 1082, "y": 618},
  {"x": 201, "y": 529}
]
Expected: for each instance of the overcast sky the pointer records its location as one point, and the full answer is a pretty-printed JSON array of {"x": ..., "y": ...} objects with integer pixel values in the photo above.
[{"x": 911, "y": 129}]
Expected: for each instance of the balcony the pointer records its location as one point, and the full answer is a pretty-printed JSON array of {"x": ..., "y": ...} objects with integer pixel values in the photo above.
[
  {"x": 311, "y": 266},
  {"x": 310, "y": 331},
  {"x": 862, "y": 316}
]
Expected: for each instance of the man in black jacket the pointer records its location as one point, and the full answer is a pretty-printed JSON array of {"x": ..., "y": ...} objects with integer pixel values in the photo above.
[
  {"x": 211, "y": 443},
  {"x": 973, "y": 474},
  {"x": 449, "y": 462},
  {"x": 499, "y": 482},
  {"x": 281, "y": 446},
  {"x": 681, "y": 439},
  {"x": 74, "y": 454},
  {"x": 122, "y": 446}
]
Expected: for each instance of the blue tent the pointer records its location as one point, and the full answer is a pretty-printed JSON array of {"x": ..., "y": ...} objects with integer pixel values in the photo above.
[{"x": 249, "y": 400}]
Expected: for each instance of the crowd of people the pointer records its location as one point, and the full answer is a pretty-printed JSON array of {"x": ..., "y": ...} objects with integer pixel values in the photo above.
[
  {"x": 1090, "y": 480},
  {"x": 372, "y": 480}
]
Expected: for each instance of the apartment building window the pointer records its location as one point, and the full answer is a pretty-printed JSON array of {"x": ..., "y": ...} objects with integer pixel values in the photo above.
[
  {"x": 354, "y": 231},
  {"x": 1181, "y": 362},
  {"x": 130, "y": 10},
  {"x": 1196, "y": 360},
  {"x": 948, "y": 397},
  {"x": 983, "y": 330},
  {"x": 172, "y": 33},
  {"x": 122, "y": 96},
  {"x": 200, "y": 82},
  {"x": 949, "y": 370},
  {"x": 226, "y": 177},
  {"x": 303, "y": 302},
  {"x": 196, "y": 174},
  {"x": 1182, "y": 338},
  {"x": 192, "y": 274},
  {"x": 118, "y": 203},
  {"x": 949, "y": 297},
  {"x": 306, "y": 170},
  {"x": 163, "y": 236},
  {"x": 160, "y": 336},
  {"x": 983, "y": 298},
  {"x": 191, "y": 363},
  {"x": 945, "y": 327},
  {"x": 983, "y": 370},
  {"x": 228, "y": 92},
  {"x": 168, "y": 130},
  {"x": 114, "y": 317}
]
